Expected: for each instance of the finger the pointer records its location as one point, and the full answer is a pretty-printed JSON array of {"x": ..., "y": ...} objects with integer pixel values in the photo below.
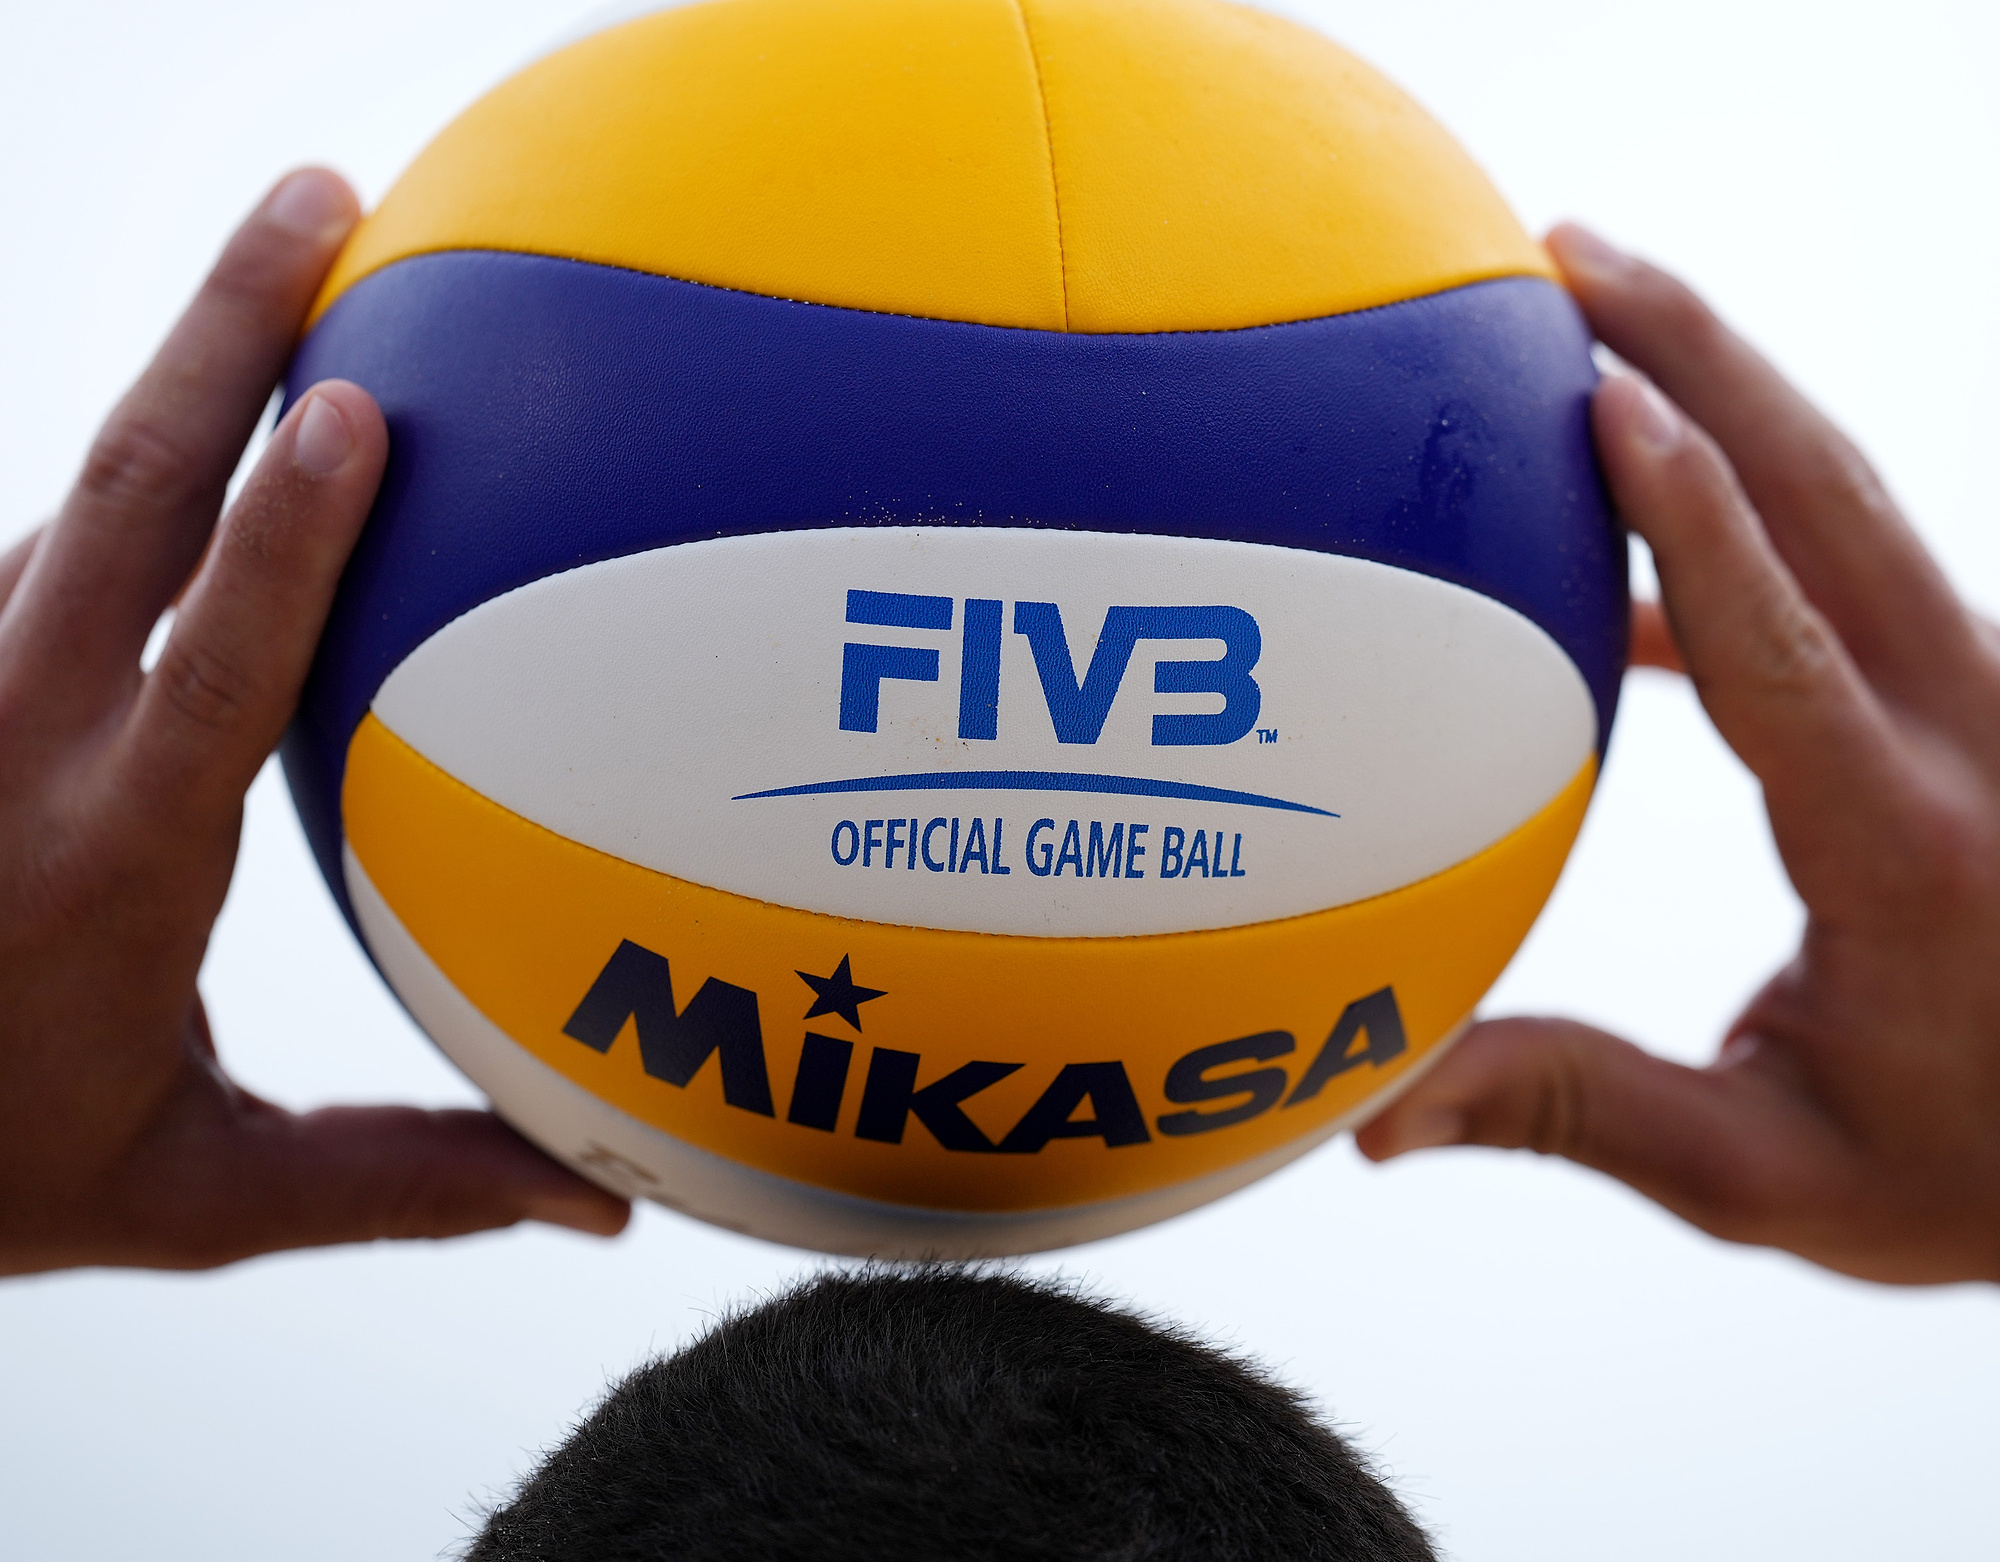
[
  {"x": 142, "y": 509},
  {"x": 358, "y": 1174},
  {"x": 1653, "y": 643},
  {"x": 349, "y": 1174},
  {"x": 13, "y": 562},
  {"x": 243, "y": 637},
  {"x": 1769, "y": 670},
  {"x": 1855, "y": 557},
  {"x": 1725, "y": 1148}
]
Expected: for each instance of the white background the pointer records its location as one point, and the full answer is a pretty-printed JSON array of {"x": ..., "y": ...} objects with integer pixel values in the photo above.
[{"x": 1549, "y": 1367}]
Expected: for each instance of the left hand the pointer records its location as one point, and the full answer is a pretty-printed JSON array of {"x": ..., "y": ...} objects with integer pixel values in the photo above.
[{"x": 122, "y": 1140}]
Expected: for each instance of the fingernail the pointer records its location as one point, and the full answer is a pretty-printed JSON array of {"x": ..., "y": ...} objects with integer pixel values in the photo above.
[
  {"x": 1658, "y": 423},
  {"x": 1427, "y": 1130},
  {"x": 322, "y": 442},
  {"x": 1580, "y": 250},
  {"x": 576, "y": 1214},
  {"x": 309, "y": 204}
]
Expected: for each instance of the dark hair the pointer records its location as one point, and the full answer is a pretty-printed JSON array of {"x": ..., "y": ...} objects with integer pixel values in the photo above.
[{"x": 943, "y": 1413}]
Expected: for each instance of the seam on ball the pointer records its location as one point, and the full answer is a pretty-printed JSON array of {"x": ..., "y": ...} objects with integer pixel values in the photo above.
[{"x": 1049, "y": 139}]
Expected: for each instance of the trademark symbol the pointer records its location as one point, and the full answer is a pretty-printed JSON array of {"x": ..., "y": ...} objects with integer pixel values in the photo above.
[{"x": 1267, "y": 734}]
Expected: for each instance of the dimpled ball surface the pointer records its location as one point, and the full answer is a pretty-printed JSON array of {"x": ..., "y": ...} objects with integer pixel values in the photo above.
[{"x": 989, "y": 617}]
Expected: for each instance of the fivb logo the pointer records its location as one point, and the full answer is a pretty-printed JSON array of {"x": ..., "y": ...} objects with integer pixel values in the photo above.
[{"x": 1078, "y": 707}]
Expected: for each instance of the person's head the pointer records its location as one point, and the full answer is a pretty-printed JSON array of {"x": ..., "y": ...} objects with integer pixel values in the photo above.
[{"x": 939, "y": 1412}]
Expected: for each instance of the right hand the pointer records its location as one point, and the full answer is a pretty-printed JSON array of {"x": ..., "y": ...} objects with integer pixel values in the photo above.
[{"x": 1852, "y": 1113}]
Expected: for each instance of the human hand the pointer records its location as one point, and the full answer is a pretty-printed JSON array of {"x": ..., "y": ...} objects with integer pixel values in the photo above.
[
  {"x": 122, "y": 1141},
  {"x": 1852, "y": 1115}
]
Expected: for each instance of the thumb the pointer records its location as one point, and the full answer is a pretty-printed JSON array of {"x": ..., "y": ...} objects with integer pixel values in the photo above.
[
  {"x": 1730, "y": 1147},
  {"x": 356, "y": 1174},
  {"x": 346, "y": 1174}
]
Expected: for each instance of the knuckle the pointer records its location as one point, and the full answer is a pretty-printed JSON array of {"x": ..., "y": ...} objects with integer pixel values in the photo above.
[
  {"x": 1557, "y": 1122},
  {"x": 136, "y": 462},
  {"x": 1793, "y": 650},
  {"x": 204, "y": 687}
]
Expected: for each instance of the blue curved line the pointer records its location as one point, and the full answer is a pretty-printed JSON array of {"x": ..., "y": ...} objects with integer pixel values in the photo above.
[{"x": 1038, "y": 781}]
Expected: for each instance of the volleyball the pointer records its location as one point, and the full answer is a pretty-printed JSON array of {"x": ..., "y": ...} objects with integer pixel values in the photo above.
[{"x": 988, "y": 618}]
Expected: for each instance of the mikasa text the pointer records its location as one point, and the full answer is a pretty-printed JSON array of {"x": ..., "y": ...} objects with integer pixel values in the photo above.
[{"x": 723, "y": 1021}]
